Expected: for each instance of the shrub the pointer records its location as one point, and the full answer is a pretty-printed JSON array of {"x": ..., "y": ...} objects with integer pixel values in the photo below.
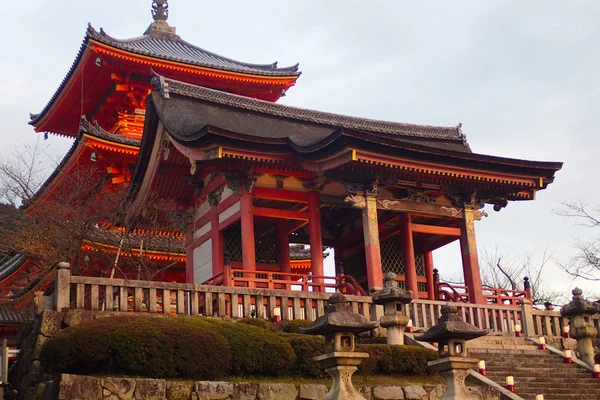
[
  {"x": 254, "y": 350},
  {"x": 396, "y": 359},
  {"x": 141, "y": 346},
  {"x": 258, "y": 322},
  {"x": 306, "y": 347},
  {"x": 293, "y": 325}
]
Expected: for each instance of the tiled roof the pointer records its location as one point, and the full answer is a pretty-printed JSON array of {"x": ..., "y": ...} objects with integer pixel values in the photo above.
[
  {"x": 173, "y": 48},
  {"x": 151, "y": 242},
  {"x": 10, "y": 316},
  {"x": 95, "y": 130},
  {"x": 166, "y": 86},
  {"x": 92, "y": 130},
  {"x": 301, "y": 252},
  {"x": 10, "y": 265}
]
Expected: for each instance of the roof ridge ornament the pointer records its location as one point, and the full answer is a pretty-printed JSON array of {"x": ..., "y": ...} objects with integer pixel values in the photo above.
[
  {"x": 160, "y": 27},
  {"x": 160, "y": 10}
]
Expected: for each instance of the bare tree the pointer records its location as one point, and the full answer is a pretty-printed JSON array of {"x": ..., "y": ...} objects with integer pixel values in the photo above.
[
  {"x": 82, "y": 209},
  {"x": 586, "y": 262},
  {"x": 22, "y": 174},
  {"x": 499, "y": 270}
]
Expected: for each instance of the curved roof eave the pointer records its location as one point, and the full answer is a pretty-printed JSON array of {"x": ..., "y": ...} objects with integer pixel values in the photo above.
[
  {"x": 85, "y": 128},
  {"x": 91, "y": 33}
]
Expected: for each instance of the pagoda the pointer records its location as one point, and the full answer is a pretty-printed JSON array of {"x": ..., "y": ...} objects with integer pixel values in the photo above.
[
  {"x": 101, "y": 103},
  {"x": 384, "y": 195}
]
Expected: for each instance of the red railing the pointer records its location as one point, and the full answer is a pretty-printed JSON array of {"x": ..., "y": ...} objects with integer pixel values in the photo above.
[
  {"x": 459, "y": 293},
  {"x": 234, "y": 277},
  {"x": 454, "y": 293},
  {"x": 505, "y": 296}
]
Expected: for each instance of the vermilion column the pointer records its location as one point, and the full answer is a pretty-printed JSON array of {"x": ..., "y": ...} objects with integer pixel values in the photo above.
[
  {"x": 372, "y": 248},
  {"x": 283, "y": 243},
  {"x": 247, "y": 220},
  {"x": 470, "y": 260},
  {"x": 408, "y": 254},
  {"x": 428, "y": 259},
  {"x": 314, "y": 231}
]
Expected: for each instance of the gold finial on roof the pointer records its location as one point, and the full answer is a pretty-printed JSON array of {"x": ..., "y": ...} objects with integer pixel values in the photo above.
[{"x": 160, "y": 10}]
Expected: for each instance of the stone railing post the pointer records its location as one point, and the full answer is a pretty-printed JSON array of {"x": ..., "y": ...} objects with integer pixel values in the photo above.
[
  {"x": 527, "y": 318},
  {"x": 527, "y": 287},
  {"x": 436, "y": 284},
  {"x": 62, "y": 288}
]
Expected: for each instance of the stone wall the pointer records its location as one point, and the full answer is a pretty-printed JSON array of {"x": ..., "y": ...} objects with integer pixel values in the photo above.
[
  {"x": 72, "y": 387},
  {"x": 26, "y": 373}
]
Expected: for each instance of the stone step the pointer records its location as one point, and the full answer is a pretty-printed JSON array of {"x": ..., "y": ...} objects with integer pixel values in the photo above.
[{"x": 534, "y": 370}]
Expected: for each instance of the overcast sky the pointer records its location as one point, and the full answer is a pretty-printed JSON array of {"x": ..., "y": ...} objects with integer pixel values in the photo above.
[{"x": 520, "y": 76}]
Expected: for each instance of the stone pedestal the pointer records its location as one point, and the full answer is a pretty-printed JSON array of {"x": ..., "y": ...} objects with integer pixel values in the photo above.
[
  {"x": 340, "y": 325},
  {"x": 580, "y": 312},
  {"x": 394, "y": 323},
  {"x": 341, "y": 366},
  {"x": 455, "y": 370},
  {"x": 584, "y": 333}
]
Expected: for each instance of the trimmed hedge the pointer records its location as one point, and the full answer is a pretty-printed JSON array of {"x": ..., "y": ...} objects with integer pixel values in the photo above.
[
  {"x": 387, "y": 359},
  {"x": 138, "y": 345},
  {"x": 255, "y": 351},
  {"x": 383, "y": 359},
  {"x": 293, "y": 325},
  {"x": 306, "y": 347},
  {"x": 206, "y": 348},
  {"x": 258, "y": 322}
]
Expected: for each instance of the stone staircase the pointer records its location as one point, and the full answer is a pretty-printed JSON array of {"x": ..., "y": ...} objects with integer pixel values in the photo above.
[{"x": 535, "y": 371}]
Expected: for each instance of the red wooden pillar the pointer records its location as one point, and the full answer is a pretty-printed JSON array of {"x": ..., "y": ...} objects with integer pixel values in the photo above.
[
  {"x": 372, "y": 248},
  {"x": 428, "y": 259},
  {"x": 408, "y": 254},
  {"x": 470, "y": 260},
  {"x": 283, "y": 243},
  {"x": 247, "y": 221},
  {"x": 314, "y": 231},
  {"x": 216, "y": 242}
]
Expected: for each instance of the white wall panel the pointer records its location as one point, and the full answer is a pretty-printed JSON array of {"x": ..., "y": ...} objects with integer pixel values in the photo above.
[
  {"x": 203, "y": 262},
  {"x": 235, "y": 207},
  {"x": 203, "y": 229}
]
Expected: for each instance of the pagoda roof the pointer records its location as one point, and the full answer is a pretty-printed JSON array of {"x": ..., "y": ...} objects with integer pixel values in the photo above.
[
  {"x": 10, "y": 265},
  {"x": 173, "y": 48},
  {"x": 161, "y": 242},
  {"x": 167, "y": 47},
  {"x": 10, "y": 316},
  {"x": 93, "y": 129},
  {"x": 87, "y": 130}
]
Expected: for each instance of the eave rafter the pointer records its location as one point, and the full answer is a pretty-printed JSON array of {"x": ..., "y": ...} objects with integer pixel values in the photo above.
[
  {"x": 104, "y": 144},
  {"x": 534, "y": 182},
  {"x": 150, "y": 254},
  {"x": 104, "y": 49}
]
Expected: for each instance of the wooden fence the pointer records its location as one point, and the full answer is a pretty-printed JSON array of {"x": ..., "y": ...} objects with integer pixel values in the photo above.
[{"x": 103, "y": 294}]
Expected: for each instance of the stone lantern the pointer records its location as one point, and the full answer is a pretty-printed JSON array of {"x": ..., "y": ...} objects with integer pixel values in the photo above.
[
  {"x": 580, "y": 311},
  {"x": 393, "y": 320},
  {"x": 451, "y": 335},
  {"x": 339, "y": 325}
]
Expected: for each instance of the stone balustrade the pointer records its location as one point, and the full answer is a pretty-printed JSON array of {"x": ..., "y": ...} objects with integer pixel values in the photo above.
[{"x": 104, "y": 294}]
